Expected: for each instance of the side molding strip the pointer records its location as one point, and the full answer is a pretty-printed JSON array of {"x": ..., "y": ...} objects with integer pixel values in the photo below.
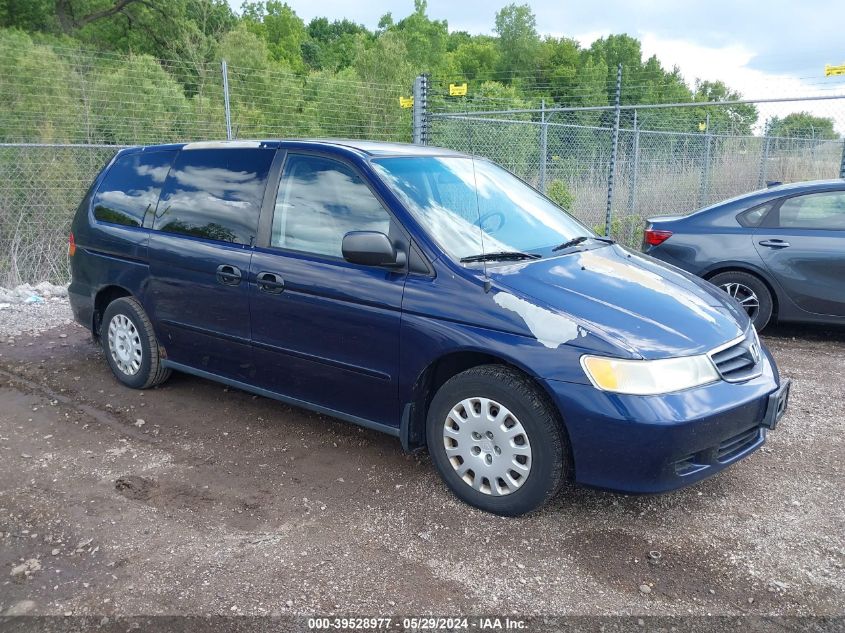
[{"x": 369, "y": 424}]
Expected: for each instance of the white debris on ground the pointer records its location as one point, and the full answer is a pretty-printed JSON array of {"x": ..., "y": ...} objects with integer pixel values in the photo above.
[{"x": 28, "y": 309}]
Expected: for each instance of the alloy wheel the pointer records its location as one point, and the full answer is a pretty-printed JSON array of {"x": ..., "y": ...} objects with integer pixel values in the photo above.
[{"x": 745, "y": 296}]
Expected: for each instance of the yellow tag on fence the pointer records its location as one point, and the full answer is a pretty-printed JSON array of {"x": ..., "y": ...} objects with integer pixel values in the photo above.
[
  {"x": 830, "y": 71},
  {"x": 406, "y": 102},
  {"x": 458, "y": 90}
]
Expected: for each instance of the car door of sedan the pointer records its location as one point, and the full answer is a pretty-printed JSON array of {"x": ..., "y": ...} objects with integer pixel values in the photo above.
[
  {"x": 326, "y": 331},
  {"x": 802, "y": 243}
]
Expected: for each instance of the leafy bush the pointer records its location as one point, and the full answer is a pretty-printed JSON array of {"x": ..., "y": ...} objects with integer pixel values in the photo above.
[{"x": 559, "y": 192}]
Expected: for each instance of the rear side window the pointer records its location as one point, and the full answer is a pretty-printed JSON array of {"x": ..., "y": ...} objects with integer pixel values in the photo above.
[
  {"x": 130, "y": 189},
  {"x": 814, "y": 211},
  {"x": 215, "y": 194}
]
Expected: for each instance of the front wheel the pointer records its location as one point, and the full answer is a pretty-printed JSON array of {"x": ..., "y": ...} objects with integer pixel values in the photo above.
[
  {"x": 496, "y": 440},
  {"x": 130, "y": 345},
  {"x": 750, "y": 292}
]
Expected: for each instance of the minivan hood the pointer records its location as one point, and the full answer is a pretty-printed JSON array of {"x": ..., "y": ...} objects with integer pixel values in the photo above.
[{"x": 651, "y": 309}]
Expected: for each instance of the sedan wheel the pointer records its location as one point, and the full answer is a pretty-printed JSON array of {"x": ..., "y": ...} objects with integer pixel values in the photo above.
[
  {"x": 745, "y": 296},
  {"x": 750, "y": 292}
]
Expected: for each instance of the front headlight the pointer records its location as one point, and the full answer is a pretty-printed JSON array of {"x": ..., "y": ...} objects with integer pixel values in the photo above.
[{"x": 649, "y": 377}]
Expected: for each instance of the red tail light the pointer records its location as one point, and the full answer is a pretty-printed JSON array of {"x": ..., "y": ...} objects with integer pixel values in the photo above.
[
  {"x": 654, "y": 237},
  {"x": 71, "y": 246}
]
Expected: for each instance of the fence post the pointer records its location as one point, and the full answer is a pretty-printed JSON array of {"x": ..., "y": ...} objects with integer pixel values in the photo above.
[
  {"x": 613, "y": 149},
  {"x": 764, "y": 161},
  {"x": 544, "y": 145},
  {"x": 420, "y": 110},
  {"x": 635, "y": 166},
  {"x": 703, "y": 189},
  {"x": 225, "y": 70},
  {"x": 842, "y": 163}
]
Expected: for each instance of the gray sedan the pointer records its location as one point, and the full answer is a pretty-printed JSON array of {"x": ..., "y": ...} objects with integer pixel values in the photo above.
[{"x": 780, "y": 252}]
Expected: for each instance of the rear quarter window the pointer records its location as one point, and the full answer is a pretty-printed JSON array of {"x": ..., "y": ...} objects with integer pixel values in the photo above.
[
  {"x": 130, "y": 189},
  {"x": 215, "y": 194},
  {"x": 754, "y": 217}
]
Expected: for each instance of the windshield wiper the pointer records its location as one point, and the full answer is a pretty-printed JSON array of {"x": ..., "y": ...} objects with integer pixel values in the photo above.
[
  {"x": 575, "y": 241},
  {"x": 500, "y": 256}
]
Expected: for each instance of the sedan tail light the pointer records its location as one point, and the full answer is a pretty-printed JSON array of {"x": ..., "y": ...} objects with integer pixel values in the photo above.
[
  {"x": 71, "y": 246},
  {"x": 653, "y": 237}
]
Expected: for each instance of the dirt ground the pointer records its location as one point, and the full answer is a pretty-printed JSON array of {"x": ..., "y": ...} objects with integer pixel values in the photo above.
[{"x": 195, "y": 498}]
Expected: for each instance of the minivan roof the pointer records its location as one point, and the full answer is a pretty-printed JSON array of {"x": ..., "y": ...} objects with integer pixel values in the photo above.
[{"x": 367, "y": 148}]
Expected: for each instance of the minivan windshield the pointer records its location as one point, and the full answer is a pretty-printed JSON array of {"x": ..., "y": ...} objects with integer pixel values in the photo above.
[{"x": 472, "y": 207}]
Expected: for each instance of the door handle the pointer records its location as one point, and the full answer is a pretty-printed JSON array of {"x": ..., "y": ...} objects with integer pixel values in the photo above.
[
  {"x": 775, "y": 243},
  {"x": 270, "y": 283},
  {"x": 228, "y": 275}
]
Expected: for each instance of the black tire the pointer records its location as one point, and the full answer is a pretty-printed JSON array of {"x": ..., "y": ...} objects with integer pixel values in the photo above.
[
  {"x": 150, "y": 371},
  {"x": 763, "y": 314},
  {"x": 549, "y": 448}
]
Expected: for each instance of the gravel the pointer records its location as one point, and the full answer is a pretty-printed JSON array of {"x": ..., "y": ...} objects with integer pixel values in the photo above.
[
  {"x": 224, "y": 499},
  {"x": 30, "y": 309}
]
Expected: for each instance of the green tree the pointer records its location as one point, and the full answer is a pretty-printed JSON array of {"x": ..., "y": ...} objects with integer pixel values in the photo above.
[
  {"x": 519, "y": 42},
  {"x": 158, "y": 111},
  {"x": 278, "y": 25},
  {"x": 163, "y": 28},
  {"x": 477, "y": 59},
  {"x": 558, "y": 61},
  {"x": 40, "y": 98},
  {"x": 802, "y": 125},
  {"x": 425, "y": 39},
  {"x": 734, "y": 119},
  {"x": 265, "y": 95},
  {"x": 332, "y": 45}
]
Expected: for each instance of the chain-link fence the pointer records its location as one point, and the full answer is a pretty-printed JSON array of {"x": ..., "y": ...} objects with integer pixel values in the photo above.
[
  {"x": 64, "y": 113},
  {"x": 40, "y": 188},
  {"x": 661, "y": 167}
]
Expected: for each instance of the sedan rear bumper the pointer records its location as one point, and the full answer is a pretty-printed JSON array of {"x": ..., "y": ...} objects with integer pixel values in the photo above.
[{"x": 652, "y": 444}]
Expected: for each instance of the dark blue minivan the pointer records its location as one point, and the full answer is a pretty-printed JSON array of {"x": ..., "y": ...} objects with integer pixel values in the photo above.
[{"x": 427, "y": 294}]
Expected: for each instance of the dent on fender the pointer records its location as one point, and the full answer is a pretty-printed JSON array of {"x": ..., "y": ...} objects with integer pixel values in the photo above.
[{"x": 548, "y": 327}]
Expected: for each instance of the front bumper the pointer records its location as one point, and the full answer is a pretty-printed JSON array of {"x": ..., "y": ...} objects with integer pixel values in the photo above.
[{"x": 650, "y": 444}]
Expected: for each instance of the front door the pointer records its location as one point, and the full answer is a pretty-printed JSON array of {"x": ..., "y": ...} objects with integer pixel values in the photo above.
[
  {"x": 325, "y": 331},
  {"x": 802, "y": 243}
]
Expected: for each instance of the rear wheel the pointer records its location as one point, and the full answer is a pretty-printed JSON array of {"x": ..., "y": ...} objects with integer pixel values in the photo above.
[
  {"x": 130, "y": 345},
  {"x": 750, "y": 292},
  {"x": 497, "y": 441}
]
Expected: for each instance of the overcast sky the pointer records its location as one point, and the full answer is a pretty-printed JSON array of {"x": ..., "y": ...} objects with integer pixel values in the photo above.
[{"x": 763, "y": 48}]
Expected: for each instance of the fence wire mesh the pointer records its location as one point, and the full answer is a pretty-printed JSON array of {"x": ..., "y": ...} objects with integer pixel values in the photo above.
[
  {"x": 40, "y": 187},
  {"x": 65, "y": 112},
  {"x": 670, "y": 160}
]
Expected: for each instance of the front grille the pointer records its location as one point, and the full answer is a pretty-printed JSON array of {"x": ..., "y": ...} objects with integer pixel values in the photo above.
[
  {"x": 739, "y": 360},
  {"x": 733, "y": 446}
]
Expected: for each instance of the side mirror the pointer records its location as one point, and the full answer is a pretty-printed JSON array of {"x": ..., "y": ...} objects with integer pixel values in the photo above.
[{"x": 370, "y": 248}]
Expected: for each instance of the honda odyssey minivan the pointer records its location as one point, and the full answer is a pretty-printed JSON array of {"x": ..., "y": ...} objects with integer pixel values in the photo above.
[{"x": 427, "y": 294}]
